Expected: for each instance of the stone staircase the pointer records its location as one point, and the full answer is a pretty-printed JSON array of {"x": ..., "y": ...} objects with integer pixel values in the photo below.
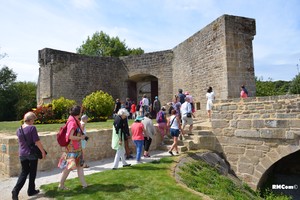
[{"x": 200, "y": 138}]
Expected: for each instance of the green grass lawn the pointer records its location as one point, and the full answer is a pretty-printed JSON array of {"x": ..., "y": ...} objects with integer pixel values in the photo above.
[
  {"x": 156, "y": 181},
  {"x": 142, "y": 181},
  {"x": 11, "y": 127}
]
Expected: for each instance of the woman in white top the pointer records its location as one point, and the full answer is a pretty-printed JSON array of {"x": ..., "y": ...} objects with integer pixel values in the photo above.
[
  {"x": 210, "y": 96},
  {"x": 175, "y": 127}
]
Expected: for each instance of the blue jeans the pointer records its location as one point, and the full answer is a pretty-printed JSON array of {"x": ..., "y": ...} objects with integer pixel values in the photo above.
[{"x": 139, "y": 148}]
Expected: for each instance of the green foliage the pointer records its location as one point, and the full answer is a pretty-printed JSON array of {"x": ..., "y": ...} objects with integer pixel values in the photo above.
[
  {"x": 98, "y": 105},
  {"x": 102, "y": 45},
  {"x": 203, "y": 178},
  {"x": 61, "y": 107},
  {"x": 7, "y": 94},
  {"x": 26, "y": 98},
  {"x": 295, "y": 85},
  {"x": 271, "y": 88},
  {"x": 7, "y": 77}
]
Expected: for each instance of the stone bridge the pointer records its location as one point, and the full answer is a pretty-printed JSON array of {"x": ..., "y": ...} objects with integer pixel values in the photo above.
[{"x": 254, "y": 135}]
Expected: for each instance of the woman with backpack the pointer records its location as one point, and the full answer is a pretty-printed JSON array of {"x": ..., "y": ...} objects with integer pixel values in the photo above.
[
  {"x": 73, "y": 156},
  {"x": 161, "y": 119}
]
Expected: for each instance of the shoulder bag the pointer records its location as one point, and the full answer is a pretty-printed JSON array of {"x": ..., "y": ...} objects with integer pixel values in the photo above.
[{"x": 34, "y": 150}]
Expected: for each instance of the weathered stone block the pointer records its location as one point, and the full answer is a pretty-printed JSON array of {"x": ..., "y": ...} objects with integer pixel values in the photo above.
[
  {"x": 234, "y": 150},
  {"x": 245, "y": 168},
  {"x": 247, "y": 133},
  {"x": 220, "y": 123},
  {"x": 244, "y": 124},
  {"x": 252, "y": 153},
  {"x": 258, "y": 124}
]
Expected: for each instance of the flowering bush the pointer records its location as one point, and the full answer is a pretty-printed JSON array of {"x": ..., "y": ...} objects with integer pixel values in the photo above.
[{"x": 44, "y": 113}]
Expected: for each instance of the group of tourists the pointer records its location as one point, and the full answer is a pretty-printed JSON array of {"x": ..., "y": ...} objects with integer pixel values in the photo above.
[
  {"x": 181, "y": 113},
  {"x": 138, "y": 109}
]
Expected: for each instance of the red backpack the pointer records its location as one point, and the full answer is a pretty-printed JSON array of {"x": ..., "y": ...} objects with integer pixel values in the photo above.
[{"x": 61, "y": 136}]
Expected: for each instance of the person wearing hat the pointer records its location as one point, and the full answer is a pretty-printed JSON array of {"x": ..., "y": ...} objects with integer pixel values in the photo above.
[
  {"x": 138, "y": 133},
  {"x": 156, "y": 106},
  {"x": 120, "y": 129}
]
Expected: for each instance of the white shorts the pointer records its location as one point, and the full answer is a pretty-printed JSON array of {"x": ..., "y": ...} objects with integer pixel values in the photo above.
[
  {"x": 187, "y": 120},
  {"x": 209, "y": 105}
]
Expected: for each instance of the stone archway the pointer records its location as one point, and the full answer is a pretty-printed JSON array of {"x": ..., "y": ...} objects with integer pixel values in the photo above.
[{"x": 142, "y": 84}]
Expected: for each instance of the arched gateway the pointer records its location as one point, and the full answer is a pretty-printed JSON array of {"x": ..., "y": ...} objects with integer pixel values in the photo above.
[{"x": 220, "y": 55}]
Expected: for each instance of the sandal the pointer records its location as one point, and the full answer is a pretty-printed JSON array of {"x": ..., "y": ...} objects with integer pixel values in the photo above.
[
  {"x": 86, "y": 166},
  {"x": 63, "y": 188}
]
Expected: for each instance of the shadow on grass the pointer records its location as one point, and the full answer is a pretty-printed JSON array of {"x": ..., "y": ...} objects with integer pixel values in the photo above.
[{"x": 90, "y": 190}]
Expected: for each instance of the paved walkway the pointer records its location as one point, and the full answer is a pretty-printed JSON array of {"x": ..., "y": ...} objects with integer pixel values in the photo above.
[{"x": 53, "y": 176}]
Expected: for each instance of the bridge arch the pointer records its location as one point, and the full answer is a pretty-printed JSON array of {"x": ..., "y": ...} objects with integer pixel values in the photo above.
[{"x": 282, "y": 159}]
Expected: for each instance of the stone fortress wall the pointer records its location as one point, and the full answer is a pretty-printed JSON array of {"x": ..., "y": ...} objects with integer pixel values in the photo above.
[{"x": 219, "y": 55}]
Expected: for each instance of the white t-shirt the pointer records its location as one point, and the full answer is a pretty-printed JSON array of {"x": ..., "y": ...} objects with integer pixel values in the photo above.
[
  {"x": 145, "y": 102},
  {"x": 175, "y": 123},
  {"x": 210, "y": 96}
]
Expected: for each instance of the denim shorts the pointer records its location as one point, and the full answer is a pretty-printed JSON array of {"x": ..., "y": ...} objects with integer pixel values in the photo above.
[{"x": 174, "y": 132}]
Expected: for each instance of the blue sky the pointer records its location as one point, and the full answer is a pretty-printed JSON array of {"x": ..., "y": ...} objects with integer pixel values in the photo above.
[{"x": 154, "y": 25}]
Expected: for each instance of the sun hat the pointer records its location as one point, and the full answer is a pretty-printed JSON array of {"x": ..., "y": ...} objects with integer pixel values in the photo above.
[{"x": 139, "y": 118}]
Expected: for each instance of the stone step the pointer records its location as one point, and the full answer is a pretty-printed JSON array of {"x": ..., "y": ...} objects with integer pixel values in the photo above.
[
  {"x": 202, "y": 132},
  {"x": 166, "y": 147}
]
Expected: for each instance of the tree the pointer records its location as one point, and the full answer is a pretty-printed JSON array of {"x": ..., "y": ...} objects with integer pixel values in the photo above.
[
  {"x": 7, "y": 77},
  {"x": 7, "y": 94},
  {"x": 271, "y": 88},
  {"x": 102, "y": 45},
  {"x": 25, "y": 93},
  {"x": 295, "y": 85}
]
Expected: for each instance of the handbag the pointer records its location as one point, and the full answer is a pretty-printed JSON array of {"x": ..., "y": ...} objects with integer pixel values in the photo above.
[{"x": 34, "y": 150}]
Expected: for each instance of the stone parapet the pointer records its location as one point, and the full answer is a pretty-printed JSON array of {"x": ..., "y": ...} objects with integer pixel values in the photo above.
[
  {"x": 255, "y": 133},
  {"x": 98, "y": 147}
]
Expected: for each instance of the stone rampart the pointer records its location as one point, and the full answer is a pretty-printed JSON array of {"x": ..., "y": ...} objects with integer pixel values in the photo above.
[
  {"x": 98, "y": 147},
  {"x": 255, "y": 133},
  {"x": 219, "y": 55}
]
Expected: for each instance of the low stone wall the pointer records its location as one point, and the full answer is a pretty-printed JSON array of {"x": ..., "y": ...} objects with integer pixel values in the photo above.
[
  {"x": 98, "y": 147},
  {"x": 256, "y": 132}
]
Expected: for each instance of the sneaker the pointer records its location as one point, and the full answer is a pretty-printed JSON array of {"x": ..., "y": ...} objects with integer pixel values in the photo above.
[
  {"x": 177, "y": 153},
  {"x": 127, "y": 165},
  {"x": 14, "y": 195},
  {"x": 129, "y": 157},
  {"x": 34, "y": 192},
  {"x": 114, "y": 168},
  {"x": 170, "y": 152}
]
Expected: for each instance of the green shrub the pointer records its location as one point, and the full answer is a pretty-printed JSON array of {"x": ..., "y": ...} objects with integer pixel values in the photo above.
[
  {"x": 61, "y": 107},
  {"x": 98, "y": 105}
]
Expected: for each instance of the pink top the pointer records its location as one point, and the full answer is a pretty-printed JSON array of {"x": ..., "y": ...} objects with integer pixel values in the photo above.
[
  {"x": 243, "y": 94},
  {"x": 137, "y": 129},
  {"x": 72, "y": 125}
]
